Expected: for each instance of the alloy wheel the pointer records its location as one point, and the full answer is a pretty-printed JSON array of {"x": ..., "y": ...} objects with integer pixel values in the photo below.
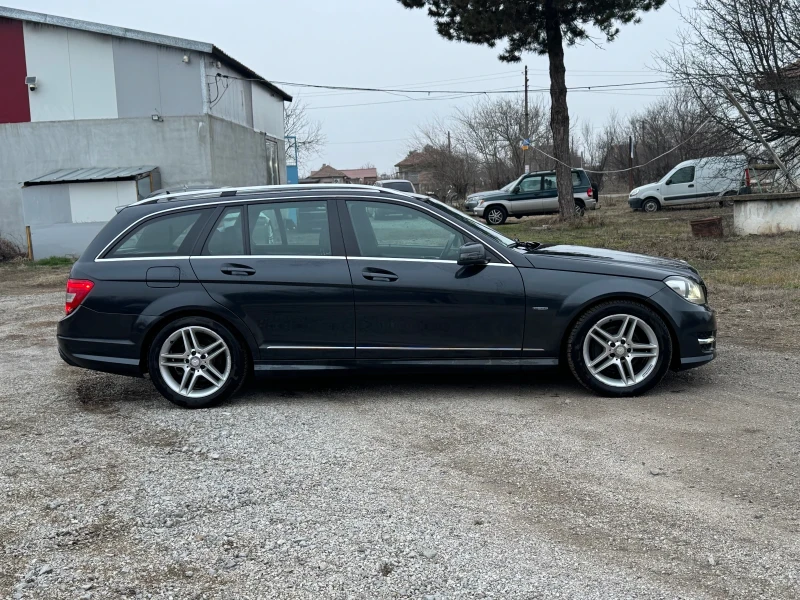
[
  {"x": 621, "y": 350},
  {"x": 495, "y": 216},
  {"x": 194, "y": 362}
]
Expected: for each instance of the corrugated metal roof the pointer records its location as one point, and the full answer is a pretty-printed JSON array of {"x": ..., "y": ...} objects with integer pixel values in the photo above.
[
  {"x": 142, "y": 36},
  {"x": 91, "y": 174}
]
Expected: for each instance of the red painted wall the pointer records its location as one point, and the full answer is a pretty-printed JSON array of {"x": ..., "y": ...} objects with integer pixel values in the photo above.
[{"x": 14, "y": 106}]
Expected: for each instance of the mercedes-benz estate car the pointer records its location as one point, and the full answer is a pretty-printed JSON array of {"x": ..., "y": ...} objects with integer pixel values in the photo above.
[
  {"x": 531, "y": 194},
  {"x": 202, "y": 289}
]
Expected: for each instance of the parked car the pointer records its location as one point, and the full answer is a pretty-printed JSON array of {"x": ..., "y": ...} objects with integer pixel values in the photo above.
[
  {"x": 191, "y": 291},
  {"x": 531, "y": 194},
  {"x": 697, "y": 181},
  {"x": 401, "y": 185}
]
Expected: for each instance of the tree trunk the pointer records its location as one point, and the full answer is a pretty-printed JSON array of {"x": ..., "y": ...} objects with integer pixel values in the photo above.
[{"x": 559, "y": 112}]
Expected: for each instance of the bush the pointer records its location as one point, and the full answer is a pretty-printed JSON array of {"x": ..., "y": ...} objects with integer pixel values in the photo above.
[{"x": 10, "y": 249}]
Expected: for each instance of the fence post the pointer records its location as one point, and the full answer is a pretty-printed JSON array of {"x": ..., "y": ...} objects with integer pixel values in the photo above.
[{"x": 30, "y": 244}]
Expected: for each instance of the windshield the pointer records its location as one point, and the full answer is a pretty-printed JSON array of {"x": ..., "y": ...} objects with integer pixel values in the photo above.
[
  {"x": 510, "y": 186},
  {"x": 470, "y": 222}
]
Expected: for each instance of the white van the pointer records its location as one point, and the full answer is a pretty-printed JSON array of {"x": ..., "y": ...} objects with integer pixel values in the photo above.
[{"x": 695, "y": 181}]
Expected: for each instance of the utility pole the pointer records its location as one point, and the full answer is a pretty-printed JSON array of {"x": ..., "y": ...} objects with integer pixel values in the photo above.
[
  {"x": 630, "y": 163},
  {"x": 526, "y": 132},
  {"x": 449, "y": 147}
]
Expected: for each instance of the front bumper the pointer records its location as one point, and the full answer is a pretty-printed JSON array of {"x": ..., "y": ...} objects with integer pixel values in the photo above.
[
  {"x": 635, "y": 203},
  {"x": 695, "y": 330}
]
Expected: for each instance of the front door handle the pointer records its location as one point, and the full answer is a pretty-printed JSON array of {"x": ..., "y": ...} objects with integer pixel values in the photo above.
[
  {"x": 237, "y": 270},
  {"x": 375, "y": 274},
  {"x": 691, "y": 185}
]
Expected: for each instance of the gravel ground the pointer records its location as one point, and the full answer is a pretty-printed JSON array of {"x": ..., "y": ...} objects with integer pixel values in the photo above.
[{"x": 480, "y": 486}]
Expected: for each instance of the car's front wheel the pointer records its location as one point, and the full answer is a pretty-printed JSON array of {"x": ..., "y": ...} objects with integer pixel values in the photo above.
[
  {"x": 619, "y": 348},
  {"x": 495, "y": 215},
  {"x": 196, "y": 362},
  {"x": 650, "y": 205}
]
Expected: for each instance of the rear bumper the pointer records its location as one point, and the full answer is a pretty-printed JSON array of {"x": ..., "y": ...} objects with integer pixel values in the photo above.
[{"x": 80, "y": 344}]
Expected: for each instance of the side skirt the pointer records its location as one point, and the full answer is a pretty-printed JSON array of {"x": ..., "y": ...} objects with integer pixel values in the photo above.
[{"x": 264, "y": 369}]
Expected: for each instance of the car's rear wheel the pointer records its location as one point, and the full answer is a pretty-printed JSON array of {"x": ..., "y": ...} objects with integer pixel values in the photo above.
[
  {"x": 580, "y": 207},
  {"x": 495, "y": 215},
  {"x": 619, "y": 348},
  {"x": 650, "y": 205},
  {"x": 196, "y": 362}
]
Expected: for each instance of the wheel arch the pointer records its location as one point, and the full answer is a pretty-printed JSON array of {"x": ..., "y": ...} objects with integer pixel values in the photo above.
[
  {"x": 244, "y": 338},
  {"x": 630, "y": 297}
]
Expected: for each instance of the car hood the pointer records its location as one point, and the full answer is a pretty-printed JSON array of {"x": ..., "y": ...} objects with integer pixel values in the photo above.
[
  {"x": 486, "y": 194},
  {"x": 610, "y": 262}
]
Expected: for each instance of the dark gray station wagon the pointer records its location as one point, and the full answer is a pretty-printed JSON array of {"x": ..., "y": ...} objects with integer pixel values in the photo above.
[{"x": 201, "y": 289}]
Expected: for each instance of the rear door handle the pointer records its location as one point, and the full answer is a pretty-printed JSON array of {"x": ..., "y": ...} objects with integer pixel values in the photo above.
[
  {"x": 375, "y": 274},
  {"x": 237, "y": 270}
]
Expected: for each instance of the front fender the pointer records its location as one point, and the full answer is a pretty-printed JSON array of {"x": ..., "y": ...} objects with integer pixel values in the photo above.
[{"x": 555, "y": 299}]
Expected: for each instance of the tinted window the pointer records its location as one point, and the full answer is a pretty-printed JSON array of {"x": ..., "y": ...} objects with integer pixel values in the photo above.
[
  {"x": 292, "y": 228},
  {"x": 684, "y": 175},
  {"x": 549, "y": 183},
  {"x": 577, "y": 180},
  {"x": 531, "y": 184},
  {"x": 393, "y": 231},
  {"x": 227, "y": 236},
  {"x": 162, "y": 236}
]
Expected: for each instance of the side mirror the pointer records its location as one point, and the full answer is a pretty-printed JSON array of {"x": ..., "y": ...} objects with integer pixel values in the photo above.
[
  {"x": 669, "y": 181},
  {"x": 515, "y": 190},
  {"x": 472, "y": 253}
]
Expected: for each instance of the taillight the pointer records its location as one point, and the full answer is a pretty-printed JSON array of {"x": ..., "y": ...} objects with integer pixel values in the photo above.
[
  {"x": 590, "y": 192},
  {"x": 77, "y": 290}
]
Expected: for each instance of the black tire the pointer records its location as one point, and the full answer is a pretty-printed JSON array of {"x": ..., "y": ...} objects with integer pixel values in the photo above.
[
  {"x": 581, "y": 329},
  {"x": 651, "y": 205},
  {"x": 580, "y": 207},
  {"x": 239, "y": 363},
  {"x": 495, "y": 214}
]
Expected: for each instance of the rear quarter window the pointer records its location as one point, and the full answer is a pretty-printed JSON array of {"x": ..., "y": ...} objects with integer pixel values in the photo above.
[{"x": 170, "y": 235}]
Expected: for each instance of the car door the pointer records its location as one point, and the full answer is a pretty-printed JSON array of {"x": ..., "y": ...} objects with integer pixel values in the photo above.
[
  {"x": 680, "y": 187},
  {"x": 280, "y": 266},
  {"x": 549, "y": 194},
  {"x": 412, "y": 299},
  {"x": 528, "y": 199}
]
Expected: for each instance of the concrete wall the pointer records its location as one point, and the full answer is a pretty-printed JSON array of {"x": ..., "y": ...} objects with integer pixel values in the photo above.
[
  {"x": 62, "y": 239},
  {"x": 238, "y": 154},
  {"x": 179, "y": 145},
  {"x": 774, "y": 213}
]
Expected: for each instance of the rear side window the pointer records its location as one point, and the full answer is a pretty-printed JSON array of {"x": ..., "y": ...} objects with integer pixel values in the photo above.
[
  {"x": 162, "y": 236},
  {"x": 227, "y": 237},
  {"x": 291, "y": 228},
  {"x": 577, "y": 179}
]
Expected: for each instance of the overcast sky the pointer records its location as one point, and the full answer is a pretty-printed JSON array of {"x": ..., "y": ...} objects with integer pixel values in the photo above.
[{"x": 378, "y": 43}]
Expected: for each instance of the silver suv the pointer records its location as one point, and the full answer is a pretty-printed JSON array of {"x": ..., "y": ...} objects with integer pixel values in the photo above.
[{"x": 531, "y": 194}]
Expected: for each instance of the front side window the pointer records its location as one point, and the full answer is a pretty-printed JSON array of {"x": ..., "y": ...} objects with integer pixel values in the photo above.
[
  {"x": 162, "y": 236},
  {"x": 531, "y": 184},
  {"x": 386, "y": 230},
  {"x": 227, "y": 236},
  {"x": 684, "y": 175},
  {"x": 290, "y": 228}
]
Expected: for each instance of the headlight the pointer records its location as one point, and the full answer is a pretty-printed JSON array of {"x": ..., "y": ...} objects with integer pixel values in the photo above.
[
  {"x": 634, "y": 192},
  {"x": 687, "y": 289}
]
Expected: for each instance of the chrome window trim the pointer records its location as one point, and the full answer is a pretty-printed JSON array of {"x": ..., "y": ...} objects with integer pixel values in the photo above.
[
  {"x": 429, "y": 260},
  {"x": 249, "y": 256},
  {"x": 317, "y": 197},
  {"x": 142, "y": 258}
]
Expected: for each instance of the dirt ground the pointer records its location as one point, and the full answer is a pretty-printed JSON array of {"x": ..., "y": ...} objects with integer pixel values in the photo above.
[{"x": 461, "y": 486}]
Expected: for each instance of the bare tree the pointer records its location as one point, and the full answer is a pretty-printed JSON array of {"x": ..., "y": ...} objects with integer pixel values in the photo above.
[
  {"x": 751, "y": 47},
  {"x": 308, "y": 132},
  {"x": 450, "y": 165}
]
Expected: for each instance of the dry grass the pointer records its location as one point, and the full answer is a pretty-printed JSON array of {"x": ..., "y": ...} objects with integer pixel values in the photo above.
[{"x": 754, "y": 281}]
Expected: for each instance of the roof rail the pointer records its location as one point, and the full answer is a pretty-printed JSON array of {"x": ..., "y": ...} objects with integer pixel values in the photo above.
[{"x": 233, "y": 191}]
